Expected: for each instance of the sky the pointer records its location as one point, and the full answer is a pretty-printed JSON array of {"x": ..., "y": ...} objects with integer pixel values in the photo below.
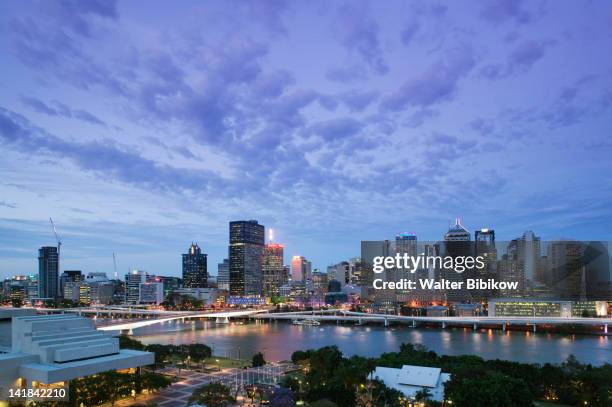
[{"x": 142, "y": 126}]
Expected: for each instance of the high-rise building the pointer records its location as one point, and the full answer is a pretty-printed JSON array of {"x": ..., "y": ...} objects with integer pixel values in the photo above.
[
  {"x": 301, "y": 269},
  {"x": 48, "y": 272},
  {"x": 319, "y": 281},
  {"x": 406, "y": 243},
  {"x": 247, "y": 239},
  {"x": 133, "y": 280},
  {"x": 529, "y": 252},
  {"x": 484, "y": 246},
  {"x": 567, "y": 268},
  {"x": 356, "y": 274},
  {"x": 223, "y": 275},
  {"x": 151, "y": 292},
  {"x": 69, "y": 276},
  {"x": 512, "y": 269},
  {"x": 339, "y": 272},
  {"x": 457, "y": 243},
  {"x": 195, "y": 273},
  {"x": 273, "y": 269}
]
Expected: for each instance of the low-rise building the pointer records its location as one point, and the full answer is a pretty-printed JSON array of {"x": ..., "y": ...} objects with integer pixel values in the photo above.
[
  {"x": 527, "y": 307},
  {"x": 411, "y": 379},
  {"x": 51, "y": 349},
  {"x": 208, "y": 296}
]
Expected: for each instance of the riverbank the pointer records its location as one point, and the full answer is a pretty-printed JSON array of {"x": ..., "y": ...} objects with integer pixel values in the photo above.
[{"x": 278, "y": 340}]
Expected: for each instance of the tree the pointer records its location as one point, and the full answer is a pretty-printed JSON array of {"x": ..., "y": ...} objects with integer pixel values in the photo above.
[
  {"x": 116, "y": 385},
  {"x": 125, "y": 342},
  {"x": 300, "y": 356},
  {"x": 282, "y": 397},
  {"x": 488, "y": 388},
  {"x": 198, "y": 352},
  {"x": 153, "y": 382},
  {"x": 258, "y": 360},
  {"x": 162, "y": 353},
  {"x": 212, "y": 395},
  {"x": 422, "y": 394}
]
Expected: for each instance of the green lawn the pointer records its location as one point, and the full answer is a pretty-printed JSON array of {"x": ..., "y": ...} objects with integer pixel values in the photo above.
[{"x": 226, "y": 362}]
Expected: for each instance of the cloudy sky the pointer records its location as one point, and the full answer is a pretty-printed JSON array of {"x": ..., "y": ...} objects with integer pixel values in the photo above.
[{"x": 142, "y": 126}]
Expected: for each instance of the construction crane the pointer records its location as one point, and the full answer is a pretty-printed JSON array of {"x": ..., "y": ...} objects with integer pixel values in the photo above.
[
  {"x": 59, "y": 242},
  {"x": 115, "y": 265}
]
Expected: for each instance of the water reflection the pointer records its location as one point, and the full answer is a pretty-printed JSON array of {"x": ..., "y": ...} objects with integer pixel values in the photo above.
[{"x": 280, "y": 339}]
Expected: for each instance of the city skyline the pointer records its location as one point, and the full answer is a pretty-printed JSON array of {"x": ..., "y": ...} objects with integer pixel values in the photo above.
[{"x": 140, "y": 131}]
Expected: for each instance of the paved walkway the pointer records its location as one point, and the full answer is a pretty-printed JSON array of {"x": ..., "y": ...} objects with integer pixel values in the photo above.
[{"x": 179, "y": 392}]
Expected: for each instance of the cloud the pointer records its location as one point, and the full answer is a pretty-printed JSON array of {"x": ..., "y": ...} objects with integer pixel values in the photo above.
[
  {"x": 60, "y": 109},
  {"x": 436, "y": 84},
  {"x": 347, "y": 74},
  {"x": 409, "y": 31},
  {"x": 8, "y": 205},
  {"x": 103, "y": 158},
  {"x": 520, "y": 60},
  {"x": 358, "y": 32},
  {"x": 358, "y": 100},
  {"x": 500, "y": 11},
  {"x": 336, "y": 129}
]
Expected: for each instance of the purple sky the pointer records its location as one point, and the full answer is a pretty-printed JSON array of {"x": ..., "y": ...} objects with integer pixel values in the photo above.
[{"x": 141, "y": 126}]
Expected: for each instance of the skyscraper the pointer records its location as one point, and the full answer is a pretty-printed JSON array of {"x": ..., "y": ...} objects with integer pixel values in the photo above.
[
  {"x": 457, "y": 243},
  {"x": 530, "y": 252},
  {"x": 512, "y": 269},
  {"x": 247, "y": 240},
  {"x": 301, "y": 269},
  {"x": 272, "y": 268},
  {"x": 484, "y": 246},
  {"x": 133, "y": 280},
  {"x": 195, "y": 274},
  {"x": 223, "y": 275},
  {"x": 48, "y": 272}
]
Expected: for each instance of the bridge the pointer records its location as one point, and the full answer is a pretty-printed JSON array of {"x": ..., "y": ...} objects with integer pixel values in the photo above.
[
  {"x": 475, "y": 322},
  {"x": 220, "y": 317}
]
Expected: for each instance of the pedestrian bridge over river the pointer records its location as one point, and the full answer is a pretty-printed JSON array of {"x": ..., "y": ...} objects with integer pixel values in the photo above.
[{"x": 474, "y": 322}]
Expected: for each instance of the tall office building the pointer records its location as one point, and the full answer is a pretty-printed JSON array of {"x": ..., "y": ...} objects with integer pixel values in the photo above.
[
  {"x": 530, "y": 252},
  {"x": 567, "y": 268},
  {"x": 48, "y": 272},
  {"x": 133, "y": 280},
  {"x": 457, "y": 243},
  {"x": 339, "y": 272},
  {"x": 195, "y": 273},
  {"x": 512, "y": 269},
  {"x": 272, "y": 269},
  {"x": 484, "y": 246},
  {"x": 247, "y": 239},
  {"x": 223, "y": 275},
  {"x": 301, "y": 269},
  {"x": 405, "y": 244},
  {"x": 69, "y": 276}
]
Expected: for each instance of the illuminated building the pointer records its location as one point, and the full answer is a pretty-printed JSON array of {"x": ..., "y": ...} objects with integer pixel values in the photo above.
[
  {"x": 247, "y": 240},
  {"x": 48, "y": 272},
  {"x": 223, "y": 275},
  {"x": 195, "y": 274},
  {"x": 48, "y": 350},
  {"x": 301, "y": 269},
  {"x": 527, "y": 307},
  {"x": 457, "y": 243},
  {"x": 273, "y": 269},
  {"x": 133, "y": 280}
]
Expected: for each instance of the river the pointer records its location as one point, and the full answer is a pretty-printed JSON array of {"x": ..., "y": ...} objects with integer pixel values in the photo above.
[{"x": 277, "y": 340}]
